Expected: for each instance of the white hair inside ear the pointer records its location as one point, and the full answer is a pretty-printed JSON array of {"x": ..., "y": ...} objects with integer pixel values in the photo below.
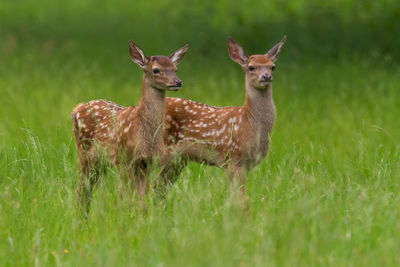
[{"x": 177, "y": 56}]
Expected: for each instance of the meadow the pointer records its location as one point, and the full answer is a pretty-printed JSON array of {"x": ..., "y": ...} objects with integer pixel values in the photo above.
[{"x": 328, "y": 193}]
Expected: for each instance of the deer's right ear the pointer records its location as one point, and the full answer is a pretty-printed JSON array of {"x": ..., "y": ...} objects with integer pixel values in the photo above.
[
  {"x": 274, "y": 52},
  {"x": 236, "y": 52},
  {"x": 137, "y": 54},
  {"x": 177, "y": 56}
]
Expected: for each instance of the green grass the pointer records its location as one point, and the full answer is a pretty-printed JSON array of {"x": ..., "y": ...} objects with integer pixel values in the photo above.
[{"x": 328, "y": 193}]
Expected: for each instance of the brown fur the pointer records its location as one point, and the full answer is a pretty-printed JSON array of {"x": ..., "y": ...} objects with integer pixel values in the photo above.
[
  {"x": 236, "y": 138},
  {"x": 129, "y": 137}
]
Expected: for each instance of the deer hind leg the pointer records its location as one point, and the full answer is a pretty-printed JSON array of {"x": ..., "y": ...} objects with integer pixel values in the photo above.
[
  {"x": 90, "y": 173},
  {"x": 126, "y": 183},
  {"x": 168, "y": 175},
  {"x": 172, "y": 164},
  {"x": 171, "y": 169},
  {"x": 237, "y": 175}
]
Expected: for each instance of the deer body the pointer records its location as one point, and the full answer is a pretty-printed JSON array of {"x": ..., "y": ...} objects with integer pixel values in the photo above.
[
  {"x": 221, "y": 135},
  {"x": 236, "y": 138},
  {"x": 129, "y": 137},
  {"x": 101, "y": 125}
]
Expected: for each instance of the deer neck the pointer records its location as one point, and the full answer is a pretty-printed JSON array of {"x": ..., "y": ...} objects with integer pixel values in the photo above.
[
  {"x": 151, "y": 107},
  {"x": 259, "y": 108}
]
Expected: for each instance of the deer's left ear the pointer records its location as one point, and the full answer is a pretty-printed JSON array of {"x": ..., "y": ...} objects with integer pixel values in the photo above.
[
  {"x": 236, "y": 52},
  {"x": 177, "y": 56},
  {"x": 137, "y": 54},
  {"x": 274, "y": 52}
]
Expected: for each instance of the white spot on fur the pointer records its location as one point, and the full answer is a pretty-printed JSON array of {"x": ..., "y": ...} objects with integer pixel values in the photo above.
[
  {"x": 81, "y": 124},
  {"x": 221, "y": 130}
]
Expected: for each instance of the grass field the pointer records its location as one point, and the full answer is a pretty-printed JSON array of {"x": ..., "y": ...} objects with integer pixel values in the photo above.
[{"x": 328, "y": 193}]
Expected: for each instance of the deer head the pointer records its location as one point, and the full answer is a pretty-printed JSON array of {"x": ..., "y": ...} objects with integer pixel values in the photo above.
[
  {"x": 159, "y": 70},
  {"x": 258, "y": 68}
]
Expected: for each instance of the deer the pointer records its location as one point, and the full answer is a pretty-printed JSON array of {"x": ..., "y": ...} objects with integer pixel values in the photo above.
[
  {"x": 234, "y": 138},
  {"x": 130, "y": 138}
]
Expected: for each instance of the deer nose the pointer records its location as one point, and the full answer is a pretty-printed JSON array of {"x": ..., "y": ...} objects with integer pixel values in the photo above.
[
  {"x": 266, "y": 77},
  {"x": 178, "y": 83}
]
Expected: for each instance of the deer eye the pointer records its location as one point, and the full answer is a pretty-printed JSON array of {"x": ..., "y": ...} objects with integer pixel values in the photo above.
[
  {"x": 156, "y": 71},
  {"x": 273, "y": 68},
  {"x": 251, "y": 68}
]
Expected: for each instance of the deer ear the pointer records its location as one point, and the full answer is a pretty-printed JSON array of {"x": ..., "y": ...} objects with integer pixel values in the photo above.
[
  {"x": 177, "y": 56},
  {"x": 236, "y": 52},
  {"x": 274, "y": 52},
  {"x": 137, "y": 54}
]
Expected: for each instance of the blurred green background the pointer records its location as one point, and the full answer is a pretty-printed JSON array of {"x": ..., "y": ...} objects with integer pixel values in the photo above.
[
  {"x": 318, "y": 28},
  {"x": 328, "y": 193}
]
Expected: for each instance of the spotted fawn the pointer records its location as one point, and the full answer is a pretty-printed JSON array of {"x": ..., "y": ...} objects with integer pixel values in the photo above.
[
  {"x": 129, "y": 137},
  {"x": 235, "y": 138}
]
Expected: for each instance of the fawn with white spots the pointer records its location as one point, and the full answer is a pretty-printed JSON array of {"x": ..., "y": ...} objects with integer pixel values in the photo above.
[
  {"x": 235, "y": 138},
  {"x": 129, "y": 137}
]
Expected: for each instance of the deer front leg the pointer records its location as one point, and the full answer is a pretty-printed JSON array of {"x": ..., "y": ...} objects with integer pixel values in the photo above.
[
  {"x": 141, "y": 185},
  {"x": 142, "y": 177},
  {"x": 132, "y": 180},
  {"x": 237, "y": 175},
  {"x": 127, "y": 182}
]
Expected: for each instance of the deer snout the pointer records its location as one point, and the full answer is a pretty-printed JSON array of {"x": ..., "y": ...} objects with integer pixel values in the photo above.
[
  {"x": 176, "y": 85},
  {"x": 266, "y": 77}
]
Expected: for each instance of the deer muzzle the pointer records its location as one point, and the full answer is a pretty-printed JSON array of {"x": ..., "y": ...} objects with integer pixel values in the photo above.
[
  {"x": 176, "y": 86},
  {"x": 266, "y": 78}
]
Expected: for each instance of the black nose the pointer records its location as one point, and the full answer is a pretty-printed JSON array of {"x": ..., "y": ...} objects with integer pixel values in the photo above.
[
  {"x": 179, "y": 84},
  {"x": 266, "y": 77}
]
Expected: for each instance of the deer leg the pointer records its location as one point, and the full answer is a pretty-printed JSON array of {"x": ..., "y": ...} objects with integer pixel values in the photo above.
[
  {"x": 238, "y": 177},
  {"x": 172, "y": 164},
  {"x": 89, "y": 178},
  {"x": 134, "y": 177},
  {"x": 142, "y": 183},
  {"x": 168, "y": 176},
  {"x": 171, "y": 169},
  {"x": 126, "y": 183}
]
